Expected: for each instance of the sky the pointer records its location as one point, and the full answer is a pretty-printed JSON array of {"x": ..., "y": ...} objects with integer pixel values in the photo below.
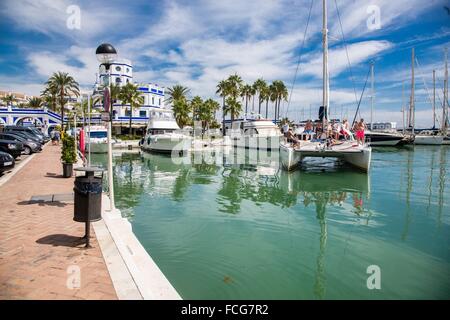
[{"x": 197, "y": 43}]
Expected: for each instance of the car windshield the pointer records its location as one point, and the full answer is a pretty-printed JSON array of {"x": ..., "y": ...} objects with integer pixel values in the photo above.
[{"x": 98, "y": 134}]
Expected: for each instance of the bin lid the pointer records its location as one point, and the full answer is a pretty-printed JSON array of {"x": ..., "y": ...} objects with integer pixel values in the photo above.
[{"x": 89, "y": 169}]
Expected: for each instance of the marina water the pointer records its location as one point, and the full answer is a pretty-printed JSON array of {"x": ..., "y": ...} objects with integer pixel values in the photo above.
[{"x": 227, "y": 230}]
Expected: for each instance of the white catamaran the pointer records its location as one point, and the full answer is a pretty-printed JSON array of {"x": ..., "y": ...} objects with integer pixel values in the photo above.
[{"x": 359, "y": 155}]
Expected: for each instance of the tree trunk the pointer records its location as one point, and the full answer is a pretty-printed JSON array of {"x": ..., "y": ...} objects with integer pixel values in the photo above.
[
  {"x": 246, "y": 103},
  {"x": 267, "y": 108},
  {"x": 223, "y": 115},
  {"x": 259, "y": 104},
  {"x": 129, "y": 125}
]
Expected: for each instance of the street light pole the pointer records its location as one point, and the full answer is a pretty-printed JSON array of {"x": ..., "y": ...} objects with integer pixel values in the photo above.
[
  {"x": 106, "y": 54},
  {"x": 110, "y": 166}
]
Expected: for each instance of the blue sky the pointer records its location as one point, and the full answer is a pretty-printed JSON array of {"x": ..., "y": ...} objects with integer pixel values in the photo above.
[{"x": 198, "y": 43}]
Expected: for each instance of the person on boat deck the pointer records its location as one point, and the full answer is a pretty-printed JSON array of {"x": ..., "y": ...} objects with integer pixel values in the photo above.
[
  {"x": 291, "y": 138},
  {"x": 308, "y": 127},
  {"x": 336, "y": 129},
  {"x": 345, "y": 129},
  {"x": 359, "y": 129},
  {"x": 285, "y": 128}
]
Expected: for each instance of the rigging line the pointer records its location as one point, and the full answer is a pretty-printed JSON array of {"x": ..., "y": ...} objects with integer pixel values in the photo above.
[
  {"x": 426, "y": 88},
  {"x": 300, "y": 57},
  {"x": 346, "y": 51},
  {"x": 360, "y": 98}
]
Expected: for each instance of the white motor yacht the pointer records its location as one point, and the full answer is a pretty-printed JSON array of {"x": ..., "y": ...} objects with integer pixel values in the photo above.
[
  {"x": 97, "y": 139},
  {"x": 255, "y": 132},
  {"x": 164, "y": 135}
]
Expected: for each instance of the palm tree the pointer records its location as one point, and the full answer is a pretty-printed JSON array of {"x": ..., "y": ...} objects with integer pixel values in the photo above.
[
  {"x": 207, "y": 111},
  {"x": 49, "y": 95},
  {"x": 233, "y": 107},
  {"x": 35, "y": 103},
  {"x": 259, "y": 86},
  {"x": 129, "y": 94},
  {"x": 235, "y": 85},
  {"x": 265, "y": 96},
  {"x": 181, "y": 110},
  {"x": 66, "y": 86},
  {"x": 177, "y": 92},
  {"x": 9, "y": 99},
  {"x": 196, "y": 106},
  {"x": 223, "y": 91},
  {"x": 279, "y": 93},
  {"x": 246, "y": 93}
]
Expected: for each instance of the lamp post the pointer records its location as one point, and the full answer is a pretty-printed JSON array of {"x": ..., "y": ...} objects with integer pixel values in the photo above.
[{"x": 106, "y": 54}]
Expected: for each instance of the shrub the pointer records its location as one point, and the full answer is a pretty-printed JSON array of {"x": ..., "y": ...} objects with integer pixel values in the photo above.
[{"x": 68, "y": 154}]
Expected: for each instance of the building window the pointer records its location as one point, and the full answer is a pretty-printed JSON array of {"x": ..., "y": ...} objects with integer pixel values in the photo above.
[
  {"x": 153, "y": 101},
  {"x": 159, "y": 101},
  {"x": 127, "y": 112},
  {"x": 128, "y": 80},
  {"x": 128, "y": 70},
  {"x": 118, "y": 80},
  {"x": 118, "y": 68},
  {"x": 142, "y": 113}
]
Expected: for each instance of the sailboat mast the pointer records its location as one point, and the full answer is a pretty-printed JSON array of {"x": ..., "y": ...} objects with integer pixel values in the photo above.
[
  {"x": 411, "y": 120},
  {"x": 445, "y": 105},
  {"x": 403, "y": 106},
  {"x": 371, "y": 96},
  {"x": 434, "y": 99},
  {"x": 326, "y": 87}
]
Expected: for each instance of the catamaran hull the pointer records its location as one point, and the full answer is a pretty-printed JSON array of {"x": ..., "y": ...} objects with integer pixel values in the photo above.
[
  {"x": 290, "y": 158},
  {"x": 257, "y": 143},
  {"x": 97, "y": 147},
  {"x": 428, "y": 140},
  {"x": 360, "y": 160},
  {"x": 166, "y": 144}
]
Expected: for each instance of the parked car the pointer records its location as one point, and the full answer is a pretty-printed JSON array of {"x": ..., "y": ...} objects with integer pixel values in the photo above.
[
  {"x": 12, "y": 147},
  {"x": 28, "y": 136},
  {"x": 6, "y": 161},
  {"x": 31, "y": 130},
  {"x": 29, "y": 147}
]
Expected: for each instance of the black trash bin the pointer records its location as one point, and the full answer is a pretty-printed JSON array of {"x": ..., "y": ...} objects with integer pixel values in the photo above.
[{"x": 88, "y": 197}]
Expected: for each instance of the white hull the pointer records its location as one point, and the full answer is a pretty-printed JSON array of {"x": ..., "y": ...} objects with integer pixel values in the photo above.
[
  {"x": 167, "y": 143},
  {"x": 428, "y": 140},
  {"x": 257, "y": 142},
  {"x": 97, "y": 147},
  {"x": 446, "y": 141},
  {"x": 357, "y": 156},
  {"x": 385, "y": 143},
  {"x": 288, "y": 157}
]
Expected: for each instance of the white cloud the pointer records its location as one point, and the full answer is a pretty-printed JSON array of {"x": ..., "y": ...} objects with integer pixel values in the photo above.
[{"x": 50, "y": 17}]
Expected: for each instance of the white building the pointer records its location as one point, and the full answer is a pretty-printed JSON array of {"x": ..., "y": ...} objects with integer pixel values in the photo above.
[{"x": 121, "y": 74}]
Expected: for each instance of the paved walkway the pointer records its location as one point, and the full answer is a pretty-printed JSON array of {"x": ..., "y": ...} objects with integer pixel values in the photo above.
[{"x": 41, "y": 256}]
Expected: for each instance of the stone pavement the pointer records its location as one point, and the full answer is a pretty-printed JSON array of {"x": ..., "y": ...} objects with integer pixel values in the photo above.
[{"x": 41, "y": 255}]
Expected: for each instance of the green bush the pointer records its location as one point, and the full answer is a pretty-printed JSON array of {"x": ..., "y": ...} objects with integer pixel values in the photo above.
[{"x": 68, "y": 154}]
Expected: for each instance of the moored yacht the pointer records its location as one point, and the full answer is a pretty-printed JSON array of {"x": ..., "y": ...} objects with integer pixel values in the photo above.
[
  {"x": 384, "y": 138},
  {"x": 357, "y": 154},
  {"x": 164, "y": 135},
  {"x": 255, "y": 132},
  {"x": 97, "y": 139},
  {"x": 428, "y": 138}
]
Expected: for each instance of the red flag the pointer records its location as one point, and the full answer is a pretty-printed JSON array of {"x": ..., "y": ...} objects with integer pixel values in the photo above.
[{"x": 82, "y": 144}]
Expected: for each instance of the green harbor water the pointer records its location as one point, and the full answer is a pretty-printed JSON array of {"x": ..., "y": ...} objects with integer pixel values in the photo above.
[{"x": 221, "y": 230}]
